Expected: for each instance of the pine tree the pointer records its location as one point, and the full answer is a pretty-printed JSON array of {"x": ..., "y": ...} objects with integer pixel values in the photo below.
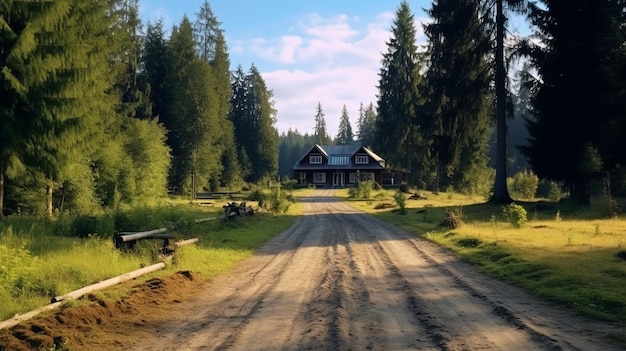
[
  {"x": 398, "y": 135},
  {"x": 579, "y": 104},
  {"x": 458, "y": 91},
  {"x": 57, "y": 78},
  {"x": 206, "y": 32},
  {"x": 155, "y": 62},
  {"x": 320, "y": 132},
  {"x": 265, "y": 162},
  {"x": 253, "y": 118},
  {"x": 194, "y": 126},
  {"x": 344, "y": 135},
  {"x": 238, "y": 115},
  {"x": 366, "y": 125}
]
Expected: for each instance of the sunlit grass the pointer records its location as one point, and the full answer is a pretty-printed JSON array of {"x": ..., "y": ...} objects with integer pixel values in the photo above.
[
  {"x": 40, "y": 260},
  {"x": 563, "y": 254}
]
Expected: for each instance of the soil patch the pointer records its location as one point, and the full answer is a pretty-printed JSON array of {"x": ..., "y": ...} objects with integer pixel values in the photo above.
[{"x": 78, "y": 326}]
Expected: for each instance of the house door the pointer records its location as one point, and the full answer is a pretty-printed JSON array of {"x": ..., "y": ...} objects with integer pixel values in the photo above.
[{"x": 338, "y": 179}]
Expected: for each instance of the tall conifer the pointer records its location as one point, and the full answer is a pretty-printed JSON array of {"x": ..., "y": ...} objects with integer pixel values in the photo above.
[
  {"x": 399, "y": 138},
  {"x": 458, "y": 92},
  {"x": 344, "y": 135}
]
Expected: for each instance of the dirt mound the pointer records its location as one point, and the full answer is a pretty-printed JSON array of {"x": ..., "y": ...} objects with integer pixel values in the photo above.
[{"x": 77, "y": 327}]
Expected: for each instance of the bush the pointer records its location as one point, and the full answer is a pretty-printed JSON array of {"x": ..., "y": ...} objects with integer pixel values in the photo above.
[
  {"x": 363, "y": 191},
  {"x": 516, "y": 215},
  {"x": 278, "y": 201},
  {"x": 400, "y": 200},
  {"x": 524, "y": 185},
  {"x": 85, "y": 226},
  {"x": 549, "y": 190},
  {"x": 288, "y": 184}
]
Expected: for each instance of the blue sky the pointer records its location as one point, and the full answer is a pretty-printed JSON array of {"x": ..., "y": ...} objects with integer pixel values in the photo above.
[{"x": 325, "y": 51}]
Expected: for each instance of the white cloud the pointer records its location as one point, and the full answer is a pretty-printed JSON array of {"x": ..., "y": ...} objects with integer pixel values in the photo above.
[{"x": 331, "y": 60}]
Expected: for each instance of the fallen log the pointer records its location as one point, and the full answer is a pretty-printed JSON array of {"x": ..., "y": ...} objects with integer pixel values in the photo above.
[
  {"x": 186, "y": 242},
  {"x": 205, "y": 219},
  {"x": 108, "y": 283},
  {"x": 56, "y": 302},
  {"x": 130, "y": 236}
]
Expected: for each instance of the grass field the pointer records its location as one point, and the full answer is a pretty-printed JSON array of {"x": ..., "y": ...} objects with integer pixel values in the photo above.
[
  {"x": 40, "y": 258},
  {"x": 564, "y": 253}
]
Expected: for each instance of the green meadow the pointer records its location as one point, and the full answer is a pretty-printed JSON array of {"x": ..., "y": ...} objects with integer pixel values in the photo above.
[
  {"x": 41, "y": 258},
  {"x": 565, "y": 254}
]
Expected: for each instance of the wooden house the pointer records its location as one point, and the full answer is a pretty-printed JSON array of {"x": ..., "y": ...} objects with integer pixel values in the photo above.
[{"x": 341, "y": 166}]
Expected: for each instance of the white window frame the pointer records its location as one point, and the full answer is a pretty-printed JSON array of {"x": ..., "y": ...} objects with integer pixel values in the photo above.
[
  {"x": 315, "y": 159},
  {"x": 319, "y": 177},
  {"x": 361, "y": 159},
  {"x": 302, "y": 177}
]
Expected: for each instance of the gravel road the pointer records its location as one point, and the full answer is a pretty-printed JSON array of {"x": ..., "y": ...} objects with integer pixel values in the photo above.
[{"x": 342, "y": 280}]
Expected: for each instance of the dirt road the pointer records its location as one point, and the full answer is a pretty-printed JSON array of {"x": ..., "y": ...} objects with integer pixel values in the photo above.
[
  {"x": 341, "y": 280},
  {"x": 336, "y": 280}
]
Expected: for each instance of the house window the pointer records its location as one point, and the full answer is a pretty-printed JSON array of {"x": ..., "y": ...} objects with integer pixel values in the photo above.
[
  {"x": 302, "y": 177},
  {"x": 319, "y": 177},
  {"x": 361, "y": 159},
  {"x": 315, "y": 159},
  {"x": 360, "y": 177}
]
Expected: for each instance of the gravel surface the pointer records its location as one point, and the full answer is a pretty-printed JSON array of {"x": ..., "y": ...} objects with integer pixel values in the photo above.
[{"x": 342, "y": 280}]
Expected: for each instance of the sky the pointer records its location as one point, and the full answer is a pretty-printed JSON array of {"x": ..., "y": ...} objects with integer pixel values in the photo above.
[{"x": 308, "y": 52}]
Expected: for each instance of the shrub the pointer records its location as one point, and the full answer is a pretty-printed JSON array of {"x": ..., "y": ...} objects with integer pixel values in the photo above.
[
  {"x": 363, "y": 190},
  {"x": 278, "y": 201},
  {"x": 524, "y": 185},
  {"x": 288, "y": 184},
  {"x": 400, "y": 200},
  {"x": 549, "y": 190},
  {"x": 85, "y": 226},
  {"x": 515, "y": 214}
]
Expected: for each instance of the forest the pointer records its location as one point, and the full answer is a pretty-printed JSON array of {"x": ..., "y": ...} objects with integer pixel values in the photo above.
[{"x": 99, "y": 110}]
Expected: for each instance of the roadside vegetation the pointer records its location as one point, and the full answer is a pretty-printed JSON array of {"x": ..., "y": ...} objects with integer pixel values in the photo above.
[
  {"x": 42, "y": 257},
  {"x": 569, "y": 255}
]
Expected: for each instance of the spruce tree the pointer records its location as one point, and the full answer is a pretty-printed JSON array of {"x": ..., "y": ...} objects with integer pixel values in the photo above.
[
  {"x": 399, "y": 137},
  {"x": 265, "y": 161},
  {"x": 206, "y": 32},
  {"x": 579, "y": 104},
  {"x": 155, "y": 63},
  {"x": 366, "y": 125},
  {"x": 319, "y": 131},
  {"x": 344, "y": 135},
  {"x": 194, "y": 126},
  {"x": 57, "y": 77},
  {"x": 457, "y": 89},
  {"x": 253, "y": 118}
]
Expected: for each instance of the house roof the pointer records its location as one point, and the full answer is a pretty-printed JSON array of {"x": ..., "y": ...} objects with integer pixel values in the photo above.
[{"x": 340, "y": 157}]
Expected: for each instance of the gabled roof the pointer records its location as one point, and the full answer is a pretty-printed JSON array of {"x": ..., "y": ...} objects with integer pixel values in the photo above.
[{"x": 340, "y": 156}]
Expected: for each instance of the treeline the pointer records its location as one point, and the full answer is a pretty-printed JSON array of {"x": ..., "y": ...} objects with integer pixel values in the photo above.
[
  {"x": 443, "y": 111},
  {"x": 97, "y": 110}
]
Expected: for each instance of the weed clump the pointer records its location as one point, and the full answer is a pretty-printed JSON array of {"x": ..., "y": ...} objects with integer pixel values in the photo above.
[{"x": 516, "y": 215}]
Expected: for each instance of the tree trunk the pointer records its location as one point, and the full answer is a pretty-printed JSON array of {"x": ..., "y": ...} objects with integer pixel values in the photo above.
[
  {"x": 1, "y": 193},
  {"x": 49, "y": 188},
  {"x": 501, "y": 193}
]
